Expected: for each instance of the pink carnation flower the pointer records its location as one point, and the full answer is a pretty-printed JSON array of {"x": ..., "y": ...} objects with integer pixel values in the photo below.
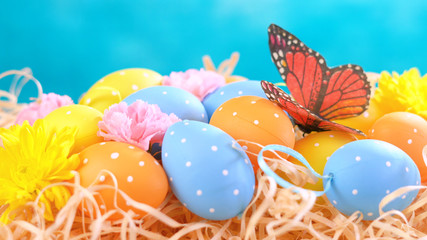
[
  {"x": 42, "y": 107},
  {"x": 200, "y": 83},
  {"x": 138, "y": 124}
]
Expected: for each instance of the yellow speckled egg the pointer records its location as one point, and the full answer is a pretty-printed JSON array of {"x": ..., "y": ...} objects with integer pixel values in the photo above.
[
  {"x": 83, "y": 117},
  {"x": 364, "y": 121},
  {"x": 125, "y": 82},
  {"x": 317, "y": 148},
  {"x": 101, "y": 98},
  {"x": 136, "y": 172}
]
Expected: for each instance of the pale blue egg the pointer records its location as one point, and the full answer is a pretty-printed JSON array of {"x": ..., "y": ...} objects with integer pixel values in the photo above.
[
  {"x": 172, "y": 100},
  {"x": 364, "y": 172},
  {"x": 232, "y": 90},
  {"x": 208, "y": 170}
]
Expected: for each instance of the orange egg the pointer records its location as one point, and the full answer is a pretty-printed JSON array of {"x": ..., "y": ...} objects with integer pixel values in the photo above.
[
  {"x": 316, "y": 148},
  {"x": 407, "y": 131},
  {"x": 256, "y": 120},
  {"x": 137, "y": 173}
]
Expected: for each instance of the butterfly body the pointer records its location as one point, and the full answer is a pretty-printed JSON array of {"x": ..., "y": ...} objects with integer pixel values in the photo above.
[{"x": 320, "y": 93}]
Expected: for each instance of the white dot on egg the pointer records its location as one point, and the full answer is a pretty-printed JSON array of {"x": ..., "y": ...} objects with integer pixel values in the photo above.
[
  {"x": 415, "y": 130},
  {"x": 130, "y": 179},
  {"x": 203, "y": 115},
  {"x": 102, "y": 80},
  {"x": 141, "y": 163},
  {"x": 253, "y": 102},
  {"x": 164, "y": 92},
  {"x": 334, "y": 202},
  {"x": 407, "y": 169},
  {"x": 186, "y": 123},
  {"x": 246, "y": 161},
  {"x": 183, "y": 140},
  {"x": 103, "y": 143},
  {"x": 166, "y": 154},
  {"x": 354, "y": 192},
  {"x": 172, "y": 133},
  {"x": 135, "y": 87},
  {"x": 388, "y": 163},
  {"x": 131, "y": 147},
  {"x": 331, "y": 136},
  {"x": 372, "y": 130},
  {"x": 69, "y": 112},
  {"x": 366, "y": 114},
  {"x": 256, "y": 122},
  {"x": 204, "y": 129},
  {"x": 409, "y": 141},
  {"x": 114, "y": 93},
  {"x": 171, "y": 179},
  {"x": 122, "y": 73},
  {"x": 316, "y": 144},
  {"x": 236, "y": 192},
  {"x": 358, "y": 158},
  {"x": 404, "y": 196},
  {"x": 417, "y": 182},
  {"x": 276, "y": 115},
  {"x": 85, "y": 161},
  {"x": 225, "y": 172},
  {"x": 114, "y": 155},
  {"x": 146, "y": 74},
  {"x": 187, "y": 101},
  {"x": 102, "y": 178},
  {"x": 221, "y": 93},
  {"x": 235, "y": 113},
  {"x": 88, "y": 100},
  {"x": 155, "y": 162},
  {"x": 214, "y": 148},
  {"x": 240, "y": 92},
  {"x": 387, "y": 192},
  {"x": 211, "y": 210},
  {"x": 188, "y": 164},
  {"x": 370, "y": 214},
  {"x": 219, "y": 109},
  {"x": 199, "y": 192}
]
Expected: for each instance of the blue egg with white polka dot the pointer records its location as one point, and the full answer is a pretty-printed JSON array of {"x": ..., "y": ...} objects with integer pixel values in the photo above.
[
  {"x": 172, "y": 100},
  {"x": 208, "y": 170},
  {"x": 229, "y": 91},
  {"x": 366, "y": 171}
]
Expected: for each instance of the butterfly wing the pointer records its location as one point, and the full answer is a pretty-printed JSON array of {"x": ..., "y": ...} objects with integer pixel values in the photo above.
[
  {"x": 336, "y": 93},
  {"x": 346, "y": 94},
  {"x": 299, "y": 66},
  {"x": 306, "y": 120}
]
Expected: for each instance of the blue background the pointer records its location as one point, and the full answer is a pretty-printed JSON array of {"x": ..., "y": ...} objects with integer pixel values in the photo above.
[{"x": 69, "y": 44}]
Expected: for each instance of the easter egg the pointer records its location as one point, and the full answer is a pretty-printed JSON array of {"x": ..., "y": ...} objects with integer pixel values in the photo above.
[
  {"x": 208, "y": 170},
  {"x": 124, "y": 82},
  {"x": 101, "y": 98},
  {"x": 364, "y": 121},
  {"x": 229, "y": 91},
  {"x": 317, "y": 147},
  {"x": 405, "y": 130},
  {"x": 137, "y": 174},
  {"x": 256, "y": 120},
  {"x": 86, "y": 120},
  {"x": 364, "y": 172},
  {"x": 172, "y": 100}
]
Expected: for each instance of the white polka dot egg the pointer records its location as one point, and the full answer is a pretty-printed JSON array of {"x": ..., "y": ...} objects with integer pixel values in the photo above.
[
  {"x": 208, "y": 170},
  {"x": 364, "y": 172},
  {"x": 137, "y": 173}
]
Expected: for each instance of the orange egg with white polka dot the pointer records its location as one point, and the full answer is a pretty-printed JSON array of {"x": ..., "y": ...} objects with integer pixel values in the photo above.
[
  {"x": 256, "y": 120},
  {"x": 406, "y": 131},
  {"x": 137, "y": 173}
]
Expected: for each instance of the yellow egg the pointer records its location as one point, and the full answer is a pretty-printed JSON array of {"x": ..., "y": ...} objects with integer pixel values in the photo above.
[
  {"x": 364, "y": 121},
  {"x": 317, "y": 148},
  {"x": 83, "y": 117},
  {"x": 125, "y": 82},
  {"x": 101, "y": 98}
]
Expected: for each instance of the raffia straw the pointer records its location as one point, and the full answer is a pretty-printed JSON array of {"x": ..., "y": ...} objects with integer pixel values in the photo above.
[
  {"x": 274, "y": 213},
  {"x": 226, "y": 68}
]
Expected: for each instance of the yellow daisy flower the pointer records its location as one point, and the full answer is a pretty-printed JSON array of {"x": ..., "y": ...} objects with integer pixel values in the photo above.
[
  {"x": 32, "y": 158},
  {"x": 406, "y": 93}
]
